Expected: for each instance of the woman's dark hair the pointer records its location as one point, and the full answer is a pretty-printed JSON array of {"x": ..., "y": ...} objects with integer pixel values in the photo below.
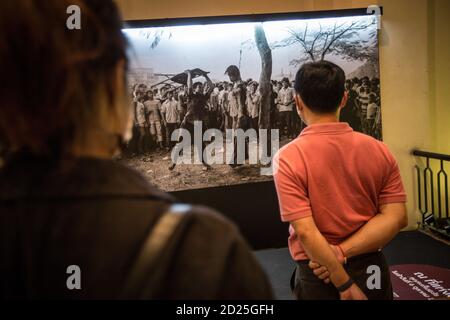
[
  {"x": 53, "y": 76},
  {"x": 321, "y": 86}
]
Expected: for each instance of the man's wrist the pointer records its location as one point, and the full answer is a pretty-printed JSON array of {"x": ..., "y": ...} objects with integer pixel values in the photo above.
[
  {"x": 338, "y": 275},
  {"x": 344, "y": 256},
  {"x": 339, "y": 280},
  {"x": 345, "y": 249},
  {"x": 346, "y": 285}
]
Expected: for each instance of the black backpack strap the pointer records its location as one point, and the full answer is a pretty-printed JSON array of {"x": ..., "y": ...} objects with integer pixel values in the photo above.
[{"x": 146, "y": 276}]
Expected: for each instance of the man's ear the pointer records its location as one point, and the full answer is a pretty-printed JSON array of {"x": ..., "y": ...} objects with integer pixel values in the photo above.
[
  {"x": 344, "y": 100},
  {"x": 298, "y": 102}
]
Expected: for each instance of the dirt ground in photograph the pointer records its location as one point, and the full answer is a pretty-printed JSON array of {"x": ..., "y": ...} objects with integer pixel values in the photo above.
[{"x": 155, "y": 166}]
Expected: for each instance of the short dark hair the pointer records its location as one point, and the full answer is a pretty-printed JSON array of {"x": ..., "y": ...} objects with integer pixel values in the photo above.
[
  {"x": 233, "y": 70},
  {"x": 321, "y": 86},
  {"x": 196, "y": 84}
]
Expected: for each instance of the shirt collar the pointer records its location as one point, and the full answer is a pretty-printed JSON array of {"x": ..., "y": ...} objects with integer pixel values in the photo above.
[{"x": 327, "y": 128}]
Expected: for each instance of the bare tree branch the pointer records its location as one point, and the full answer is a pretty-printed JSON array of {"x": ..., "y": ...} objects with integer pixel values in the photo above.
[{"x": 338, "y": 38}]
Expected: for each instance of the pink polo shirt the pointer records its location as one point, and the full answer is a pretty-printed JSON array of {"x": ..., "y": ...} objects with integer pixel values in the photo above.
[{"x": 337, "y": 176}]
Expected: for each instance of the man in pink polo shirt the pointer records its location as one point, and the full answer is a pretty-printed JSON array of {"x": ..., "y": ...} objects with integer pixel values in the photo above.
[{"x": 342, "y": 194}]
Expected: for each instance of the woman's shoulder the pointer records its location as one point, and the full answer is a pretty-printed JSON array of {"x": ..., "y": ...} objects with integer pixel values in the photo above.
[
  {"x": 115, "y": 177},
  {"x": 212, "y": 219},
  {"x": 83, "y": 177}
]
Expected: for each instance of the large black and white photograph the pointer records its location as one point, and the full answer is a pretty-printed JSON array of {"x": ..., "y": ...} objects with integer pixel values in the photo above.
[{"x": 233, "y": 76}]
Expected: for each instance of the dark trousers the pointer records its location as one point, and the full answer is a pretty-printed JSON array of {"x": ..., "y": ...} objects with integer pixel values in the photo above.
[
  {"x": 255, "y": 123},
  {"x": 228, "y": 121},
  {"x": 306, "y": 286},
  {"x": 285, "y": 118},
  {"x": 170, "y": 128},
  {"x": 370, "y": 130},
  {"x": 212, "y": 119},
  {"x": 244, "y": 123}
]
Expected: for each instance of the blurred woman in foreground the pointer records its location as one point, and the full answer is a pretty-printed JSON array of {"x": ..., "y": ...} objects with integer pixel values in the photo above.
[{"x": 74, "y": 223}]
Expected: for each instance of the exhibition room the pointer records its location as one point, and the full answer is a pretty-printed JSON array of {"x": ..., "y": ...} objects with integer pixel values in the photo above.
[{"x": 225, "y": 151}]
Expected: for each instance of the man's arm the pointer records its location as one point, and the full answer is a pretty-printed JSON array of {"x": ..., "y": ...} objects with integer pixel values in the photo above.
[
  {"x": 378, "y": 231},
  {"x": 375, "y": 234},
  {"x": 178, "y": 115},
  {"x": 209, "y": 83},
  {"x": 158, "y": 111},
  {"x": 296, "y": 209},
  {"x": 163, "y": 111},
  {"x": 317, "y": 249},
  {"x": 164, "y": 108},
  {"x": 237, "y": 91},
  {"x": 189, "y": 81}
]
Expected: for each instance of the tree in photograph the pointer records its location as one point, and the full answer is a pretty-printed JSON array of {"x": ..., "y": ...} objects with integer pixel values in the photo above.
[
  {"x": 366, "y": 50},
  {"x": 338, "y": 39},
  {"x": 265, "y": 87},
  {"x": 155, "y": 36}
]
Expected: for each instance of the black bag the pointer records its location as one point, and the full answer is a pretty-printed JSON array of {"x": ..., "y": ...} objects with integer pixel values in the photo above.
[{"x": 146, "y": 276}]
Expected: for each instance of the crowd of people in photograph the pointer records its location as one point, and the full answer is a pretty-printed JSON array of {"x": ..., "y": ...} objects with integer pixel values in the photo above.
[
  {"x": 160, "y": 110},
  {"x": 363, "y": 109}
]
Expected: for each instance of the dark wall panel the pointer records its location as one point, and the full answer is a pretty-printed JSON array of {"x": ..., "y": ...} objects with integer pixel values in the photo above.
[{"x": 253, "y": 207}]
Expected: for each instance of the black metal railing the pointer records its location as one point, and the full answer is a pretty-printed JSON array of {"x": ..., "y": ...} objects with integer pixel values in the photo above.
[{"x": 433, "y": 191}]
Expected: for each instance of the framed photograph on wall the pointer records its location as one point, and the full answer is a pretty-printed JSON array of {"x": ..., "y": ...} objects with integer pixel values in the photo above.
[{"x": 212, "y": 70}]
